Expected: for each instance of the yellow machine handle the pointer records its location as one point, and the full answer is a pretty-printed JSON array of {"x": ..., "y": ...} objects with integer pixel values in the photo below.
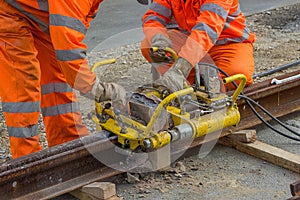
[
  {"x": 98, "y": 107},
  {"x": 167, "y": 49},
  {"x": 103, "y": 62},
  {"x": 242, "y": 78},
  {"x": 163, "y": 104}
]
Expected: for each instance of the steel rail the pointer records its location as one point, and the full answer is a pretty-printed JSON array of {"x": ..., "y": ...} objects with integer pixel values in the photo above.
[
  {"x": 295, "y": 190},
  {"x": 63, "y": 168}
]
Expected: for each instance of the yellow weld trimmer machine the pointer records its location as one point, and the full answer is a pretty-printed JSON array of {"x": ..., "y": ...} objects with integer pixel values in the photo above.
[{"x": 154, "y": 117}]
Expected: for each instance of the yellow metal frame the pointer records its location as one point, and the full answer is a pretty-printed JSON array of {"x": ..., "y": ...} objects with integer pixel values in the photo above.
[{"x": 136, "y": 133}]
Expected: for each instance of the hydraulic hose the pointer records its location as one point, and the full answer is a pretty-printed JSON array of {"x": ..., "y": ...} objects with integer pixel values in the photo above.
[
  {"x": 274, "y": 118},
  {"x": 249, "y": 100},
  {"x": 272, "y": 71}
]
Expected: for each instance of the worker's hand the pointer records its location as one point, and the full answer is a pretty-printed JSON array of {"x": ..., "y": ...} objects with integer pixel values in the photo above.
[
  {"x": 160, "y": 41},
  {"x": 107, "y": 92},
  {"x": 175, "y": 77}
]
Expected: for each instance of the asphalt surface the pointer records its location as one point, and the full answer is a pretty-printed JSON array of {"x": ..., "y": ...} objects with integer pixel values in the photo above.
[{"x": 119, "y": 22}]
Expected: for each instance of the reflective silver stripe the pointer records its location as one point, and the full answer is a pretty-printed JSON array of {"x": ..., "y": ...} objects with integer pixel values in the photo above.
[
  {"x": 155, "y": 18},
  {"x": 226, "y": 26},
  {"x": 215, "y": 8},
  {"x": 23, "y": 132},
  {"x": 21, "y": 107},
  {"x": 44, "y": 27},
  {"x": 229, "y": 19},
  {"x": 43, "y": 5},
  {"x": 56, "y": 87},
  {"x": 237, "y": 12},
  {"x": 204, "y": 27},
  {"x": 71, "y": 54},
  {"x": 72, "y": 23},
  {"x": 245, "y": 36},
  {"x": 164, "y": 11},
  {"x": 60, "y": 109}
]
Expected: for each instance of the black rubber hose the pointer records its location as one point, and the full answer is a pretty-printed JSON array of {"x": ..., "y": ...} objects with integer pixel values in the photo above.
[
  {"x": 269, "y": 125},
  {"x": 272, "y": 71}
]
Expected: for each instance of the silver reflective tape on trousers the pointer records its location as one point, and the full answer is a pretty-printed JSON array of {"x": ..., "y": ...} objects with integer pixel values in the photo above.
[
  {"x": 164, "y": 11},
  {"x": 43, "y": 5},
  {"x": 215, "y": 8},
  {"x": 44, "y": 27},
  {"x": 72, "y": 23},
  {"x": 71, "y": 54},
  {"x": 23, "y": 132},
  {"x": 155, "y": 18},
  {"x": 56, "y": 87},
  {"x": 21, "y": 107},
  {"x": 60, "y": 109},
  {"x": 204, "y": 27}
]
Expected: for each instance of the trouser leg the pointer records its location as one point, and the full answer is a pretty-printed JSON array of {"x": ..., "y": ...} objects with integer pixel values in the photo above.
[
  {"x": 19, "y": 81},
  {"x": 235, "y": 58},
  {"x": 60, "y": 106}
]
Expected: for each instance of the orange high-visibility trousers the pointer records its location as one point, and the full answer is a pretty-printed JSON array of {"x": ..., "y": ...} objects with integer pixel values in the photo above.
[
  {"x": 233, "y": 58},
  {"x": 32, "y": 82}
]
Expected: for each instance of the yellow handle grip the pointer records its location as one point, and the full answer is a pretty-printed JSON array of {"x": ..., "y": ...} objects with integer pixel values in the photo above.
[
  {"x": 241, "y": 86},
  {"x": 100, "y": 63},
  {"x": 167, "y": 49}
]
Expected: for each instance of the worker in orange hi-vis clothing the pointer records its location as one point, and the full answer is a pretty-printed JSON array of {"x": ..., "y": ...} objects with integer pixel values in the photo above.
[
  {"x": 205, "y": 28},
  {"x": 42, "y": 59}
]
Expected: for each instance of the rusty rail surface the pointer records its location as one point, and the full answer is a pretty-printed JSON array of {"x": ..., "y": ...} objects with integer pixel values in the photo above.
[
  {"x": 295, "y": 190},
  {"x": 63, "y": 168}
]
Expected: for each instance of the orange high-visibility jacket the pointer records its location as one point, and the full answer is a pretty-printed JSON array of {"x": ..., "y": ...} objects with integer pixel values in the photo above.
[
  {"x": 66, "y": 22},
  {"x": 208, "y": 23}
]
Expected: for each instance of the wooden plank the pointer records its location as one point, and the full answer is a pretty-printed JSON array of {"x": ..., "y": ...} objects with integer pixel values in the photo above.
[
  {"x": 265, "y": 152},
  {"x": 100, "y": 190},
  {"x": 245, "y": 136},
  {"x": 96, "y": 191},
  {"x": 80, "y": 195}
]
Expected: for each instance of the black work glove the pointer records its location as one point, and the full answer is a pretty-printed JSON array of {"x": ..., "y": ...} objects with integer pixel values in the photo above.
[{"x": 160, "y": 41}]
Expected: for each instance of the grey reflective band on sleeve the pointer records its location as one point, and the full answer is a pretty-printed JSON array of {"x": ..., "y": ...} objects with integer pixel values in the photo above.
[
  {"x": 60, "y": 109},
  {"x": 43, "y": 5},
  {"x": 23, "y": 132},
  {"x": 204, "y": 27},
  {"x": 215, "y": 8},
  {"x": 245, "y": 36},
  {"x": 226, "y": 26},
  {"x": 237, "y": 12},
  {"x": 71, "y": 54},
  {"x": 44, "y": 27},
  {"x": 164, "y": 11},
  {"x": 232, "y": 17},
  {"x": 72, "y": 23},
  {"x": 229, "y": 19},
  {"x": 21, "y": 107},
  {"x": 55, "y": 87},
  {"x": 155, "y": 18}
]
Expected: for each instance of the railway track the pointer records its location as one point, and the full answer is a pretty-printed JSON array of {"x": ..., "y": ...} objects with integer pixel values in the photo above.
[{"x": 63, "y": 168}]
